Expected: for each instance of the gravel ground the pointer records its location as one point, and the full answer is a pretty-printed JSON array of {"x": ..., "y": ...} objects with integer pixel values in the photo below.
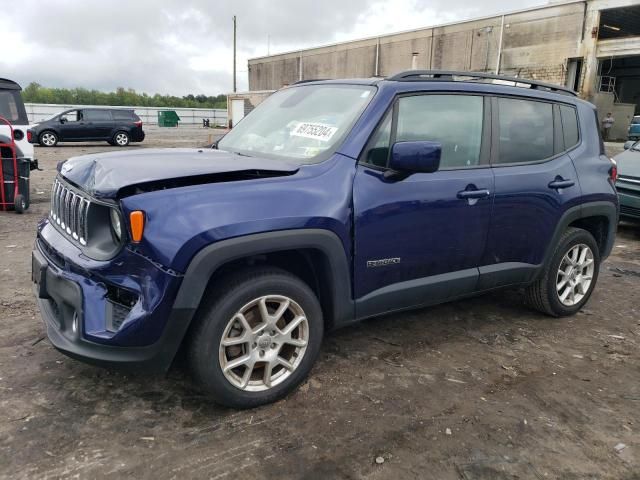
[{"x": 476, "y": 389}]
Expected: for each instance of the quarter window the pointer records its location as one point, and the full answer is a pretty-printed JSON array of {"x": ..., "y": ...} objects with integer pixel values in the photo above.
[
  {"x": 378, "y": 152},
  {"x": 122, "y": 115},
  {"x": 526, "y": 131},
  {"x": 569, "y": 126},
  {"x": 453, "y": 120}
]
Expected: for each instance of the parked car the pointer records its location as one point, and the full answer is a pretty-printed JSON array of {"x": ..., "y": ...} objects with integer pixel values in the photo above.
[
  {"x": 634, "y": 128},
  {"x": 628, "y": 182},
  {"x": 331, "y": 202},
  {"x": 12, "y": 108},
  {"x": 118, "y": 126}
]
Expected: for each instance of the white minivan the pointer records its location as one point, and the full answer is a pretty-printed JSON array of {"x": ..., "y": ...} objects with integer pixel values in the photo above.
[{"x": 12, "y": 109}]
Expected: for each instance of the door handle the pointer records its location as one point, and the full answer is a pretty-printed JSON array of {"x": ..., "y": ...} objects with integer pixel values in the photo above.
[
  {"x": 473, "y": 194},
  {"x": 561, "y": 183}
]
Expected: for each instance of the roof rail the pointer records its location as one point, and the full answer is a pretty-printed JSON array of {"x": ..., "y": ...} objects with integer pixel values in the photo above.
[
  {"x": 309, "y": 81},
  {"x": 450, "y": 76}
]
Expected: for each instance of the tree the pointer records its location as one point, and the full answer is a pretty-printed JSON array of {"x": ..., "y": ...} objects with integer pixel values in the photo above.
[{"x": 36, "y": 93}]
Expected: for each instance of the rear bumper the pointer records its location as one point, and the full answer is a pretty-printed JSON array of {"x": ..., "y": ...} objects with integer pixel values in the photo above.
[
  {"x": 62, "y": 299},
  {"x": 137, "y": 136}
]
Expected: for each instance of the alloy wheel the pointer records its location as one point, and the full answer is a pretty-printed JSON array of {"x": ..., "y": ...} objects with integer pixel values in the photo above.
[
  {"x": 264, "y": 343},
  {"x": 122, "y": 139},
  {"x": 575, "y": 275},
  {"x": 49, "y": 139}
]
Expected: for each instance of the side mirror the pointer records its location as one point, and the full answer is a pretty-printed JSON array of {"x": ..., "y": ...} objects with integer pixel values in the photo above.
[
  {"x": 415, "y": 157},
  {"x": 629, "y": 144},
  {"x": 62, "y": 120}
]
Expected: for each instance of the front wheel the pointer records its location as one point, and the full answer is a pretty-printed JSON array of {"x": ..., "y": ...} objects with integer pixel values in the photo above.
[
  {"x": 569, "y": 278},
  {"x": 48, "y": 139},
  {"x": 257, "y": 338}
]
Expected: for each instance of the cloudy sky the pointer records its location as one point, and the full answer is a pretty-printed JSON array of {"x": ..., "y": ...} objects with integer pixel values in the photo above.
[{"x": 185, "y": 46}]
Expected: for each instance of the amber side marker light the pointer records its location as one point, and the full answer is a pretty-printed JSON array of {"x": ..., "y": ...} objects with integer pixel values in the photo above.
[{"x": 136, "y": 221}]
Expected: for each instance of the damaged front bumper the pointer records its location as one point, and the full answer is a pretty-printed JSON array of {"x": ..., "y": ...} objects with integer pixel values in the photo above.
[{"x": 113, "y": 313}]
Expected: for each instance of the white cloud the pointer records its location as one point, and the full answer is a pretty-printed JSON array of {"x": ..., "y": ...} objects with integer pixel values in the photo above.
[{"x": 180, "y": 46}]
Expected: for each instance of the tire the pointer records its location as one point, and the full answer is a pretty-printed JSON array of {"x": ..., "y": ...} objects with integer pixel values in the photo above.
[
  {"x": 121, "y": 139},
  {"x": 20, "y": 203},
  {"x": 545, "y": 295},
  {"x": 245, "y": 386},
  {"x": 48, "y": 138}
]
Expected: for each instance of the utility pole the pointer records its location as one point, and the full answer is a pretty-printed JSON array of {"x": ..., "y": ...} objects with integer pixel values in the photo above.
[{"x": 234, "y": 53}]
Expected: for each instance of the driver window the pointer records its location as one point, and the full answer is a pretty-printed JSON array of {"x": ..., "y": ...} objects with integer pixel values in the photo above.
[
  {"x": 453, "y": 120},
  {"x": 72, "y": 116}
]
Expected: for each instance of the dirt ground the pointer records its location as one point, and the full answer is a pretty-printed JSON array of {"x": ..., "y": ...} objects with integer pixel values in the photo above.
[{"x": 477, "y": 389}]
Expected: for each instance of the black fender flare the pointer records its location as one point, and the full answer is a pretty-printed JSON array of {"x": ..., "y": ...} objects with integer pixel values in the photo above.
[
  {"x": 208, "y": 260},
  {"x": 605, "y": 209}
]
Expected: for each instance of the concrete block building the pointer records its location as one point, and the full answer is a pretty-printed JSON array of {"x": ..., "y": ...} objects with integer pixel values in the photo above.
[{"x": 592, "y": 46}]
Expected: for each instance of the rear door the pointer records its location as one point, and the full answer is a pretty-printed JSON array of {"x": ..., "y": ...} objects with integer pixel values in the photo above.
[
  {"x": 535, "y": 183},
  {"x": 420, "y": 239},
  {"x": 99, "y": 124}
]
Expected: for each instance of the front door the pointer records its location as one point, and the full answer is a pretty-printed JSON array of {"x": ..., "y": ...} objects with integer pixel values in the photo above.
[
  {"x": 71, "y": 125},
  {"x": 420, "y": 240}
]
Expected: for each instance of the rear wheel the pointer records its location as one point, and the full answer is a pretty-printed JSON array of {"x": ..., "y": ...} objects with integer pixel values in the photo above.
[
  {"x": 48, "y": 139},
  {"x": 121, "y": 139},
  {"x": 256, "y": 338},
  {"x": 569, "y": 278}
]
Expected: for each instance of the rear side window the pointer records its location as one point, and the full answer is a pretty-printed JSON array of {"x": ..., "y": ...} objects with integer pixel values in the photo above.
[
  {"x": 453, "y": 120},
  {"x": 96, "y": 115},
  {"x": 526, "y": 131},
  {"x": 12, "y": 107},
  {"x": 569, "y": 126},
  {"x": 122, "y": 115}
]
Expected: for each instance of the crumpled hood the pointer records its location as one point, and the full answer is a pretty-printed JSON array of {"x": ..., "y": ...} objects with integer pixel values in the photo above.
[{"x": 104, "y": 175}]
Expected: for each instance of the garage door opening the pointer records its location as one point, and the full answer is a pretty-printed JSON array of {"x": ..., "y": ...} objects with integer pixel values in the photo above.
[
  {"x": 621, "y": 76},
  {"x": 619, "y": 23}
]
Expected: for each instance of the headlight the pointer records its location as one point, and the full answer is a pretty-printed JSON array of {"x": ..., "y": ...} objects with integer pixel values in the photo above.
[{"x": 116, "y": 224}]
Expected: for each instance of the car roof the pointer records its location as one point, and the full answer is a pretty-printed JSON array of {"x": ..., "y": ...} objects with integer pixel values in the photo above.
[{"x": 420, "y": 80}]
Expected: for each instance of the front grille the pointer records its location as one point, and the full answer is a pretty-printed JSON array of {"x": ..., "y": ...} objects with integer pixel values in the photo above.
[
  {"x": 634, "y": 212},
  {"x": 70, "y": 210}
]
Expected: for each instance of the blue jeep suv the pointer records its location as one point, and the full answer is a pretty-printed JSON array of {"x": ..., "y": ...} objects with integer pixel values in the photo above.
[{"x": 333, "y": 201}]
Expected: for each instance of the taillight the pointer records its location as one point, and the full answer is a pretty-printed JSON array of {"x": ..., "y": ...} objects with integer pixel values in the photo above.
[
  {"x": 29, "y": 135},
  {"x": 613, "y": 171},
  {"x": 138, "y": 123}
]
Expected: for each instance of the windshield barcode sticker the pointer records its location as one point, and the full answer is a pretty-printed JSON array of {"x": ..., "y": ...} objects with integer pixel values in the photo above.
[{"x": 317, "y": 131}]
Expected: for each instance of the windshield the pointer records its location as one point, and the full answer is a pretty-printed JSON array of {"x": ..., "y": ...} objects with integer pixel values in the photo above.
[
  {"x": 50, "y": 117},
  {"x": 305, "y": 123},
  {"x": 635, "y": 121}
]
